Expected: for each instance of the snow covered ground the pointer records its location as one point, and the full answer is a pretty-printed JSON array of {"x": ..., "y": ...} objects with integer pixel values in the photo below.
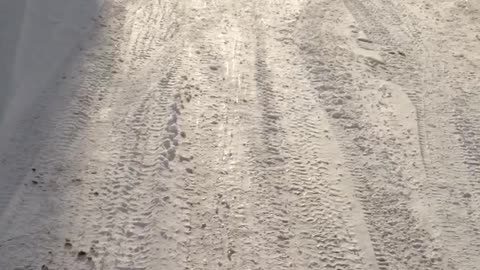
[{"x": 241, "y": 134}]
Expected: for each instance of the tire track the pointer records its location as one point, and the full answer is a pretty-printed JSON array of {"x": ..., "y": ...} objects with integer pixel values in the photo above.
[
  {"x": 268, "y": 165},
  {"x": 446, "y": 196},
  {"x": 465, "y": 239},
  {"x": 207, "y": 242},
  {"x": 385, "y": 28},
  {"x": 470, "y": 141},
  {"x": 321, "y": 228},
  {"x": 110, "y": 213},
  {"x": 133, "y": 207},
  {"x": 456, "y": 78},
  {"x": 142, "y": 189},
  {"x": 320, "y": 215},
  {"x": 384, "y": 194},
  {"x": 217, "y": 229},
  {"x": 300, "y": 224},
  {"x": 150, "y": 24}
]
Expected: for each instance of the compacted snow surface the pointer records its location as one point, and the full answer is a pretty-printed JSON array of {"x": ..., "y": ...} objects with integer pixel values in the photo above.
[{"x": 240, "y": 134}]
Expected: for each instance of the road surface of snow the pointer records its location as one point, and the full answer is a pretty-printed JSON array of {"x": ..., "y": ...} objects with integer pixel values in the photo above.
[{"x": 281, "y": 134}]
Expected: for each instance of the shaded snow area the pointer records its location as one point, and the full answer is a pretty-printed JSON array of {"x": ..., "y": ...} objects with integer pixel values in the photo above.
[{"x": 36, "y": 39}]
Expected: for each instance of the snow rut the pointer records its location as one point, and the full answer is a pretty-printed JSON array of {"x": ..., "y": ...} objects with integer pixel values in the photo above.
[
  {"x": 138, "y": 177},
  {"x": 392, "y": 25},
  {"x": 380, "y": 183}
]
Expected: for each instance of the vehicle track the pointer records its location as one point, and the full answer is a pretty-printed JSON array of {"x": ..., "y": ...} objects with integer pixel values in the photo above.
[
  {"x": 420, "y": 45},
  {"x": 285, "y": 134},
  {"x": 216, "y": 224},
  {"x": 387, "y": 203},
  {"x": 322, "y": 228},
  {"x": 110, "y": 199},
  {"x": 434, "y": 73}
]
